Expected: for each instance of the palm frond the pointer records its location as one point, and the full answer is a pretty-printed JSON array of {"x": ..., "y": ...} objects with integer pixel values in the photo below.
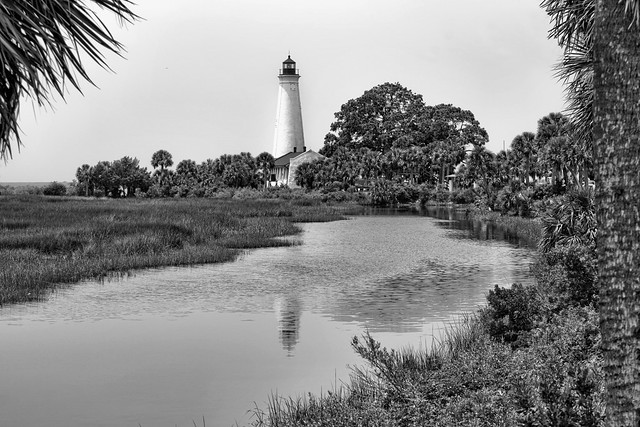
[
  {"x": 632, "y": 8},
  {"x": 41, "y": 48},
  {"x": 572, "y": 26}
]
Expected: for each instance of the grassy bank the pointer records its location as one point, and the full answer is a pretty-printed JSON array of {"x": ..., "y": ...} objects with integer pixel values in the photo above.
[
  {"x": 527, "y": 229},
  {"x": 45, "y": 242}
]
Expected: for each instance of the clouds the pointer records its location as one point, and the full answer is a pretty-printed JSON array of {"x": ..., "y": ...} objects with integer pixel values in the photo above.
[{"x": 200, "y": 78}]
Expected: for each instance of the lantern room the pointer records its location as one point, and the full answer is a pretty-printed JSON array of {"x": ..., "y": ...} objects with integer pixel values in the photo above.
[{"x": 289, "y": 67}]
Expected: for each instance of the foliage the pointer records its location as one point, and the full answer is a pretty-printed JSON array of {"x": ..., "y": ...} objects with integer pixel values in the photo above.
[
  {"x": 570, "y": 275},
  {"x": 55, "y": 189},
  {"x": 569, "y": 221},
  {"x": 464, "y": 196},
  {"x": 120, "y": 178},
  {"x": 161, "y": 159},
  {"x": 42, "y": 45},
  {"x": 384, "y": 116},
  {"x": 390, "y": 133},
  {"x": 513, "y": 311},
  {"x": 524, "y": 152},
  {"x": 572, "y": 27},
  {"x": 514, "y": 199},
  {"x": 390, "y": 193},
  {"x": 439, "y": 195},
  {"x": 265, "y": 163}
]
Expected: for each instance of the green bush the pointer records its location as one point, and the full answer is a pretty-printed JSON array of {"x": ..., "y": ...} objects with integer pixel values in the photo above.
[
  {"x": 511, "y": 312},
  {"x": 562, "y": 382},
  {"x": 55, "y": 189},
  {"x": 514, "y": 200},
  {"x": 387, "y": 193},
  {"x": 464, "y": 196},
  {"x": 570, "y": 274}
]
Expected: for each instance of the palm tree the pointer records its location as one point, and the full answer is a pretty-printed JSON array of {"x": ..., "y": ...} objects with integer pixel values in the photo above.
[
  {"x": 569, "y": 221},
  {"x": 265, "y": 162},
  {"x": 523, "y": 149},
  {"x": 608, "y": 31},
  {"x": 164, "y": 160},
  {"x": 83, "y": 175},
  {"x": 41, "y": 48}
]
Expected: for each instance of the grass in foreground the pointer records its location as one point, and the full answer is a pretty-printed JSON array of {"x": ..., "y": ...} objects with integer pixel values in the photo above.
[
  {"x": 468, "y": 379},
  {"x": 45, "y": 242}
]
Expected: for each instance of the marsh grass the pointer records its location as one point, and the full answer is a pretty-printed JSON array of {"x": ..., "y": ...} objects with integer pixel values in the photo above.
[
  {"x": 529, "y": 230},
  {"x": 45, "y": 242}
]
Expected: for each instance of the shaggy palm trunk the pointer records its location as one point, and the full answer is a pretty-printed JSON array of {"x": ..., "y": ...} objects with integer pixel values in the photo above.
[{"x": 617, "y": 157}]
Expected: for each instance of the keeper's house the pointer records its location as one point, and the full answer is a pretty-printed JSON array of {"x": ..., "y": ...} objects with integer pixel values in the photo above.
[{"x": 284, "y": 171}]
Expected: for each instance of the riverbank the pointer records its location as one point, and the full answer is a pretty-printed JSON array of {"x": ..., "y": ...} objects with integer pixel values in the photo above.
[
  {"x": 526, "y": 229},
  {"x": 50, "y": 241},
  {"x": 531, "y": 357}
]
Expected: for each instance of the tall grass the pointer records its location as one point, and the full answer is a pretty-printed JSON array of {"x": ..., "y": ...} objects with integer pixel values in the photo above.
[
  {"x": 529, "y": 230},
  {"x": 410, "y": 386},
  {"x": 465, "y": 379},
  {"x": 48, "y": 241}
]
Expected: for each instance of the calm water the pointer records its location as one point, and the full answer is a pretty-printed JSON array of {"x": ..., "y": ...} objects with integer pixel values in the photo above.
[{"x": 169, "y": 346}]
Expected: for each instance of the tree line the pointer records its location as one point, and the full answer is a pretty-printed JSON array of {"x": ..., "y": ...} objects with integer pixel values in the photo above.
[{"x": 126, "y": 178}]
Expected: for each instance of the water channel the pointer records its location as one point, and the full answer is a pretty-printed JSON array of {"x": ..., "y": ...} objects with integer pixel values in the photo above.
[{"x": 170, "y": 346}]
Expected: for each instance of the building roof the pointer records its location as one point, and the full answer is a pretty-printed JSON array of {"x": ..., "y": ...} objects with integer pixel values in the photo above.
[
  {"x": 286, "y": 159},
  {"x": 289, "y": 60}
]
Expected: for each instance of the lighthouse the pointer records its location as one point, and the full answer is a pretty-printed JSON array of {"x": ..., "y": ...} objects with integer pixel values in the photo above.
[{"x": 289, "y": 136}]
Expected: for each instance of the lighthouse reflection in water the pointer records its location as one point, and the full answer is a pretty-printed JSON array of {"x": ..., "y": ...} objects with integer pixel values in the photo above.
[{"x": 288, "y": 311}]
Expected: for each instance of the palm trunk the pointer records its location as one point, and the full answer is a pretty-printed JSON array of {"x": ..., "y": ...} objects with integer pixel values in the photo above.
[{"x": 617, "y": 156}]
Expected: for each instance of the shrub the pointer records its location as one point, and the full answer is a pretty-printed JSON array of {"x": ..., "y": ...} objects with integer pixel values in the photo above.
[
  {"x": 439, "y": 194},
  {"x": 514, "y": 200},
  {"x": 464, "y": 196},
  {"x": 563, "y": 382},
  {"x": 55, "y": 189},
  {"x": 383, "y": 193},
  {"x": 547, "y": 191},
  {"x": 570, "y": 274},
  {"x": 513, "y": 311}
]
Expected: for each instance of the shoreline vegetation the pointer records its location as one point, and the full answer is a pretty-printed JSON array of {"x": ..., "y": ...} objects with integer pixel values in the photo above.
[{"x": 47, "y": 242}]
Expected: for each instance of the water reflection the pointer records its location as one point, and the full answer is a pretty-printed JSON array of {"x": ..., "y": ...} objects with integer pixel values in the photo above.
[
  {"x": 475, "y": 229},
  {"x": 288, "y": 311}
]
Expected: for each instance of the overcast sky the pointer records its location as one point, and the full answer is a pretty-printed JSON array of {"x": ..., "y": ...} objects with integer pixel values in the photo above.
[{"x": 199, "y": 77}]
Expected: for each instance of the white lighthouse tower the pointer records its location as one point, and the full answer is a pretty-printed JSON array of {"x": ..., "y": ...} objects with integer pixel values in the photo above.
[{"x": 289, "y": 136}]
